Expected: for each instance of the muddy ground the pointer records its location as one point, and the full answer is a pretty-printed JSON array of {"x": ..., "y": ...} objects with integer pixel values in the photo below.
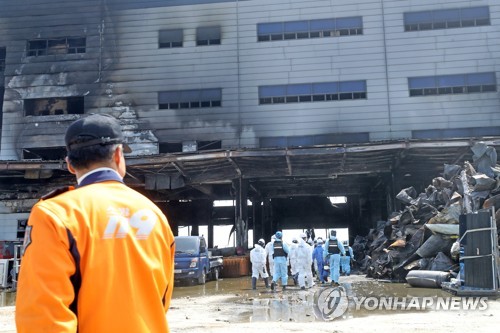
[{"x": 229, "y": 305}]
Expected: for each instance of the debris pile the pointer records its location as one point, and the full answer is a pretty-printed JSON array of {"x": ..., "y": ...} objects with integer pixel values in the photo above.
[{"x": 421, "y": 235}]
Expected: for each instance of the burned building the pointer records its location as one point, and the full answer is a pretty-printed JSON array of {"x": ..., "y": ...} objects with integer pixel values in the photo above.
[{"x": 281, "y": 103}]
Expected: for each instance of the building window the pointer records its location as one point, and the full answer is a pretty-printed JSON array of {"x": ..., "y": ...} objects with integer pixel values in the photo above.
[
  {"x": 447, "y": 18},
  {"x": 208, "y": 36},
  {"x": 177, "y": 147},
  {"x": 45, "y": 154},
  {"x": 53, "y": 106},
  {"x": 452, "y": 84},
  {"x": 65, "y": 45},
  {"x": 3, "y": 53},
  {"x": 312, "y": 92},
  {"x": 313, "y": 140},
  {"x": 170, "y": 38},
  {"x": 346, "y": 26},
  {"x": 448, "y": 133},
  {"x": 190, "y": 99}
]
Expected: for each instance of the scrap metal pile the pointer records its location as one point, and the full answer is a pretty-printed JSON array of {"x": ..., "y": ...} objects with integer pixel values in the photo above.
[{"x": 421, "y": 236}]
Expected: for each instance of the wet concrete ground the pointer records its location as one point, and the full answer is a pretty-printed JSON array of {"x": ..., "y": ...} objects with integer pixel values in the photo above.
[
  {"x": 295, "y": 304},
  {"x": 229, "y": 305}
]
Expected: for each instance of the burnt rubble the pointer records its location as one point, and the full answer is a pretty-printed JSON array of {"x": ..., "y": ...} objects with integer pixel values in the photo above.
[{"x": 421, "y": 235}]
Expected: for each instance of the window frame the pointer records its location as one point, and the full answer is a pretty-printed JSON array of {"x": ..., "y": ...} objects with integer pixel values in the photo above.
[
  {"x": 470, "y": 83},
  {"x": 448, "y": 18},
  {"x": 312, "y": 92},
  {"x": 190, "y": 99},
  {"x": 209, "y": 35},
  {"x": 317, "y": 28},
  {"x": 56, "y": 46},
  {"x": 171, "y": 38}
]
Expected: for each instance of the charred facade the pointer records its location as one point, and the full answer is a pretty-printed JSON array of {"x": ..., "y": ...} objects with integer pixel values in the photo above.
[{"x": 221, "y": 99}]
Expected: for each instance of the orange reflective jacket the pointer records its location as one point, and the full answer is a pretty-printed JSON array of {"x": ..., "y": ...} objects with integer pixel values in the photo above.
[{"x": 97, "y": 259}]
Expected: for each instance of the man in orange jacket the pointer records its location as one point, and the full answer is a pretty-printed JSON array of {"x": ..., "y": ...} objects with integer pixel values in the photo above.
[{"x": 98, "y": 257}]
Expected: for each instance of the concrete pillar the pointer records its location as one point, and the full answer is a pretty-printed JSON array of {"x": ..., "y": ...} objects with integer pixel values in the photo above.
[
  {"x": 258, "y": 221},
  {"x": 267, "y": 218},
  {"x": 210, "y": 236},
  {"x": 241, "y": 213}
]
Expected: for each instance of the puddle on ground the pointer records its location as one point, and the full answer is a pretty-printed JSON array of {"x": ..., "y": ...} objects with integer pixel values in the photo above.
[
  {"x": 359, "y": 297},
  {"x": 247, "y": 305}
]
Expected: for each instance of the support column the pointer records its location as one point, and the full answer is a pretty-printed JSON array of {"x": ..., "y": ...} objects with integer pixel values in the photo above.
[
  {"x": 210, "y": 240},
  {"x": 241, "y": 213},
  {"x": 258, "y": 224},
  {"x": 267, "y": 219}
]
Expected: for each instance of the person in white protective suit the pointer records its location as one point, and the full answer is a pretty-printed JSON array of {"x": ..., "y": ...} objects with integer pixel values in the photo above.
[
  {"x": 269, "y": 254},
  {"x": 304, "y": 262},
  {"x": 292, "y": 257},
  {"x": 258, "y": 260}
]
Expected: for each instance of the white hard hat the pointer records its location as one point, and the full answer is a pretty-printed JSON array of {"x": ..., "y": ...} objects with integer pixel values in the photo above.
[
  {"x": 303, "y": 235},
  {"x": 320, "y": 241}
]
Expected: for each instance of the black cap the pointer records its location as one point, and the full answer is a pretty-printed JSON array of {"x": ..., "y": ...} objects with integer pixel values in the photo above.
[{"x": 96, "y": 129}]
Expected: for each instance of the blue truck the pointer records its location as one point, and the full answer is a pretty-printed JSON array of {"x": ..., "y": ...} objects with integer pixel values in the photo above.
[{"x": 193, "y": 260}]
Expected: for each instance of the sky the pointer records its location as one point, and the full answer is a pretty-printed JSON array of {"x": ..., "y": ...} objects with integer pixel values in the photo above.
[{"x": 222, "y": 239}]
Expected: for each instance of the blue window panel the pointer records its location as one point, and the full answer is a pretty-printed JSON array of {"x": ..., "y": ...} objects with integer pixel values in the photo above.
[
  {"x": 189, "y": 95},
  {"x": 298, "y": 89},
  {"x": 269, "y": 28},
  {"x": 297, "y": 141},
  {"x": 350, "y": 86},
  {"x": 481, "y": 79},
  {"x": 279, "y": 141},
  {"x": 171, "y": 35},
  {"x": 455, "y": 133},
  {"x": 349, "y": 22},
  {"x": 475, "y": 13},
  {"x": 168, "y": 96},
  {"x": 451, "y": 81},
  {"x": 325, "y": 88},
  {"x": 446, "y": 15},
  {"x": 422, "y": 82},
  {"x": 320, "y": 25},
  {"x": 206, "y": 33},
  {"x": 210, "y": 95},
  {"x": 418, "y": 17},
  {"x": 297, "y": 26},
  {"x": 272, "y": 91}
]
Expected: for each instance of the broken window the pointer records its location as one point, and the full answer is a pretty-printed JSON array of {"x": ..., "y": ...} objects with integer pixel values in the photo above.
[
  {"x": 190, "y": 99},
  {"x": 170, "y": 38},
  {"x": 65, "y": 45},
  {"x": 170, "y": 147},
  {"x": 44, "y": 153},
  {"x": 2, "y": 58},
  {"x": 209, "y": 145},
  {"x": 177, "y": 147},
  {"x": 208, "y": 36},
  {"x": 312, "y": 140},
  {"x": 53, "y": 106}
]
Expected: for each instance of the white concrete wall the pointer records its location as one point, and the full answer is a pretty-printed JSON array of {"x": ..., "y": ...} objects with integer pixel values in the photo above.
[{"x": 124, "y": 65}]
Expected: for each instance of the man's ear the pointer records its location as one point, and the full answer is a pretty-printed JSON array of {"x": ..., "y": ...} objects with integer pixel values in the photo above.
[
  {"x": 70, "y": 167},
  {"x": 117, "y": 155}
]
